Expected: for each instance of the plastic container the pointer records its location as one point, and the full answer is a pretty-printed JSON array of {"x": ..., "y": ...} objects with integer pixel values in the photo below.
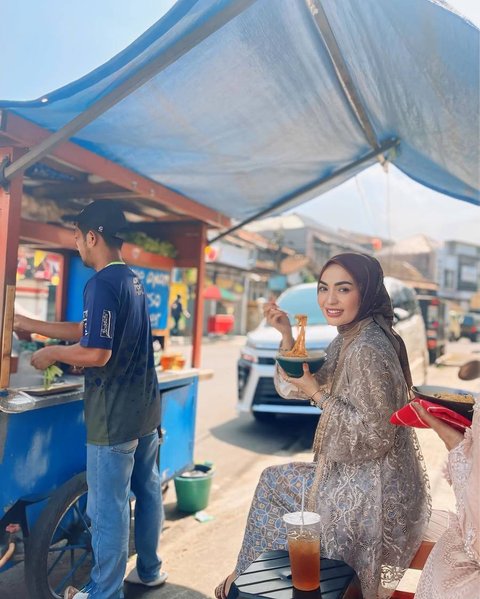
[
  {"x": 220, "y": 324},
  {"x": 193, "y": 488},
  {"x": 167, "y": 361},
  {"x": 303, "y": 536}
]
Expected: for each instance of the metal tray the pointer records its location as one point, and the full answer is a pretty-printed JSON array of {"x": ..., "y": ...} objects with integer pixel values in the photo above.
[{"x": 52, "y": 390}]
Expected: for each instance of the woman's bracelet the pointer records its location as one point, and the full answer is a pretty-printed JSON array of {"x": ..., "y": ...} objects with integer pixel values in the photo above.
[{"x": 312, "y": 400}]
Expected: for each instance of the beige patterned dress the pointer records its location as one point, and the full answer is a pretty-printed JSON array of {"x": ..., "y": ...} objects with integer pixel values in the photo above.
[
  {"x": 367, "y": 479},
  {"x": 453, "y": 568}
]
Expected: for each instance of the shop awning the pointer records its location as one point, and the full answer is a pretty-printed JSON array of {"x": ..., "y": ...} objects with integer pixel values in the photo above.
[
  {"x": 214, "y": 292},
  {"x": 228, "y": 295},
  {"x": 247, "y": 106}
]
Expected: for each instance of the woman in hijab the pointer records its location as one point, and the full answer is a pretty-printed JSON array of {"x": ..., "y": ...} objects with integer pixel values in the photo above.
[{"x": 367, "y": 479}]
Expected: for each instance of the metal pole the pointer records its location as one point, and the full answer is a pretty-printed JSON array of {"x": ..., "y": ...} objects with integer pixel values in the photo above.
[
  {"x": 343, "y": 74},
  {"x": 392, "y": 143},
  {"x": 177, "y": 50},
  {"x": 197, "y": 332}
]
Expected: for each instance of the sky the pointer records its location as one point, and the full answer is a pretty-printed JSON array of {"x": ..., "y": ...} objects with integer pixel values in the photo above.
[{"x": 45, "y": 45}]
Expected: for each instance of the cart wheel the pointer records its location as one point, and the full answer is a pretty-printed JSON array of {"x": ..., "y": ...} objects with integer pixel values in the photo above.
[{"x": 59, "y": 551}]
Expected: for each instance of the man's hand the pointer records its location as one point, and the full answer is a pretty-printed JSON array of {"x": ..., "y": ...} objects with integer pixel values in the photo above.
[
  {"x": 22, "y": 324},
  {"x": 66, "y": 331},
  {"x": 43, "y": 358},
  {"x": 449, "y": 435}
]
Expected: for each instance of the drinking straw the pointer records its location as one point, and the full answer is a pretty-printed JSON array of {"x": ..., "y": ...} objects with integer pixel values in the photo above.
[{"x": 303, "y": 500}]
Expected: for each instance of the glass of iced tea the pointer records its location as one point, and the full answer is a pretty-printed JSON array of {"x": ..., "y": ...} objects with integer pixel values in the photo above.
[
  {"x": 166, "y": 361},
  {"x": 303, "y": 535},
  {"x": 179, "y": 362}
]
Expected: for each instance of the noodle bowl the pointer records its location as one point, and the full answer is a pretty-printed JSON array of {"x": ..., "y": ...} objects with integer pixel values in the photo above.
[
  {"x": 292, "y": 360},
  {"x": 458, "y": 400}
]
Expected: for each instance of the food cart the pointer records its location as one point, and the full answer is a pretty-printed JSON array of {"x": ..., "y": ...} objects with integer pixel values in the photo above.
[{"x": 42, "y": 435}]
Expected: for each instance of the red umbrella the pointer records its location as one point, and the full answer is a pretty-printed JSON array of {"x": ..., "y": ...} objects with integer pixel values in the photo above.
[{"x": 212, "y": 292}]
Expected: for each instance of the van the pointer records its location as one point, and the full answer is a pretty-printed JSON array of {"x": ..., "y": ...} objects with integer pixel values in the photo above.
[
  {"x": 470, "y": 326},
  {"x": 256, "y": 365}
]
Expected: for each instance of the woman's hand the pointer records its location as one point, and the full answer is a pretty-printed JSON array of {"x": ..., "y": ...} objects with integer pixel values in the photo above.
[
  {"x": 449, "y": 435},
  {"x": 306, "y": 383},
  {"x": 276, "y": 317}
]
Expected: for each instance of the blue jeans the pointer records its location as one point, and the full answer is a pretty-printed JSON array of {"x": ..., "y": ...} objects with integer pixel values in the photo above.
[{"x": 111, "y": 472}]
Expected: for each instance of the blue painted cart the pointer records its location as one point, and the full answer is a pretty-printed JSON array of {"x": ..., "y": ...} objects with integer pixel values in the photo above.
[{"x": 43, "y": 486}]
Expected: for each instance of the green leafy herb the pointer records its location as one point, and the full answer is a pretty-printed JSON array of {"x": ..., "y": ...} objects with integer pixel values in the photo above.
[
  {"x": 50, "y": 374},
  {"x": 149, "y": 244}
]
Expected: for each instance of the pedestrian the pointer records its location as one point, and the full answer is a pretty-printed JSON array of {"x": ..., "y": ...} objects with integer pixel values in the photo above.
[
  {"x": 176, "y": 312},
  {"x": 367, "y": 480},
  {"x": 122, "y": 405}
]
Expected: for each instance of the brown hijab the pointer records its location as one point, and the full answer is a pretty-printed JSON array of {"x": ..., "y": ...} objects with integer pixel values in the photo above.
[{"x": 375, "y": 305}]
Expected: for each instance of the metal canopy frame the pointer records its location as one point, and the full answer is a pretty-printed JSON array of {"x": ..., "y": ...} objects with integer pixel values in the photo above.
[
  {"x": 343, "y": 74},
  {"x": 283, "y": 202}
]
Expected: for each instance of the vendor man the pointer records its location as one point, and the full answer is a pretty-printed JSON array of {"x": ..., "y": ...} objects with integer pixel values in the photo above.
[{"x": 122, "y": 404}]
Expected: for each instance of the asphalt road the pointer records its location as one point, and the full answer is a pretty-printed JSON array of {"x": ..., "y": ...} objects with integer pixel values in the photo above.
[{"x": 198, "y": 555}]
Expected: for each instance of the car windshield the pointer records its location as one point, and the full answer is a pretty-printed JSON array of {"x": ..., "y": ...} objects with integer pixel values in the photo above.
[{"x": 302, "y": 301}]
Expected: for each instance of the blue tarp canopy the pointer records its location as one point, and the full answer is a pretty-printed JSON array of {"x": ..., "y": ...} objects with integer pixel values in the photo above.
[{"x": 255, "y": 102}]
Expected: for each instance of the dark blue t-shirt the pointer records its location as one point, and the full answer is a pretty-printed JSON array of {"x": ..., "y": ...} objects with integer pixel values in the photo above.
[{"x": 122, "y": 401}]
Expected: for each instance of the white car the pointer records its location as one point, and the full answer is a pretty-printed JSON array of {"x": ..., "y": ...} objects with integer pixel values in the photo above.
[{"x": 256, "y": 391}]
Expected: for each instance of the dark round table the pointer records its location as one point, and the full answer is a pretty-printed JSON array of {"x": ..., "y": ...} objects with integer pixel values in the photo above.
[{"x": 270, "y": 576}]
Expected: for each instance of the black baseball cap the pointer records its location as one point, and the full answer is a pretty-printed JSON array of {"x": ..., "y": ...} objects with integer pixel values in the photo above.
[{"x": 105, "y": 217}]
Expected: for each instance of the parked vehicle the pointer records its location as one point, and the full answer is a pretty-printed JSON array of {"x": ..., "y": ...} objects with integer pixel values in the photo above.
[
  {"x": 470, "y": 326},
  {"x": 435, "y": 315},
  {"x": 256, "y": 391}
]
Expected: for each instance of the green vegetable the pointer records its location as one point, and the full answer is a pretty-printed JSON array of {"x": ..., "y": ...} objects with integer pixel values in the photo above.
[
  {"x": 50, "y": 374},
  {"x": 163, "y": 248}
]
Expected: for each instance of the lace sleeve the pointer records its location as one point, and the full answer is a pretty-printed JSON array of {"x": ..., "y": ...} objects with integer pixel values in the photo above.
[
  {"x": 359, "y": 425},
  {"x": 467, "y": 489}
]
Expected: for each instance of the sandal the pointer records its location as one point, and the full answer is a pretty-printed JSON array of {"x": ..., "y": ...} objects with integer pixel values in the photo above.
[{"x": 220, "y": 590}]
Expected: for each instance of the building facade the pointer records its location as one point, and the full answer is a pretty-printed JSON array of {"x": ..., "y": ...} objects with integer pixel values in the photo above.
[{"x": 459, "y": 272}]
